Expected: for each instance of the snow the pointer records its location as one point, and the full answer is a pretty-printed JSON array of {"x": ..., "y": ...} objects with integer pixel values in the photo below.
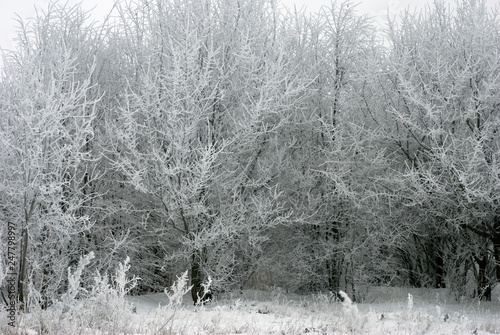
[{"x": 385, "y": 310}]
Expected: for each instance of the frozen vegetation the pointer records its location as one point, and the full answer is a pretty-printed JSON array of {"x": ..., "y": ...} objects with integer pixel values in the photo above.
[
  {"x": 383, "y": 310},
  {"x": 252, "y": 147}
]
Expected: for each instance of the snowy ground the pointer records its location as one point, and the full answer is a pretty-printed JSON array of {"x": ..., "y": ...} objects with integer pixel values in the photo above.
[{"x": 385, "y": 311}]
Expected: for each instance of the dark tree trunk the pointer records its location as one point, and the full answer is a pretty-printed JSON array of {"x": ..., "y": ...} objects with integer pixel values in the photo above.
[
  {"x": 196, "y": 279},
  {"x": 496, "y": 246},
  {"x": 440, "y": 272},
  {"x": 22, "y": 269},
  {"x": 496, "y": 252},
  {"x": 334, "y": 264},
  {"x": 333, "y": 273},
  {"x": 483, "y": 282}
]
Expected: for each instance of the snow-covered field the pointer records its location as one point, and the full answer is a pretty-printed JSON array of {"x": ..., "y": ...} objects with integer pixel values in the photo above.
[{"x": 385, "y": 311}]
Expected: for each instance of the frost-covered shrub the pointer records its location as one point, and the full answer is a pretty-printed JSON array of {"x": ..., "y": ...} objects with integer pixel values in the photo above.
[
  {"x": 99, "y": 306},
  {"x": 350, "y": 310},
  {"x": 177, "y": 291},
  {"x": 105, "y": 305},
  {"x": 165, "y": 316}
]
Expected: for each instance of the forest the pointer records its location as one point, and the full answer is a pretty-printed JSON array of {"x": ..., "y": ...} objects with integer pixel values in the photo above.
[{"x": 252, "y": 146}]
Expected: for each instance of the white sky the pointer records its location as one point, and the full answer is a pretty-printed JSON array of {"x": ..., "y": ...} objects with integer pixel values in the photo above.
[{"x": 25, "y": 9}]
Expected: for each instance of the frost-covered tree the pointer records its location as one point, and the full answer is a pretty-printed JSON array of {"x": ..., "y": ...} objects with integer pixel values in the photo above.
[
  {"x": 197, "y": 134},
  {"x": 46, "y": 158},
  {"x": 253, "y": 146},
  {"x": 442, "y": 120},
  {"x": 324, "y": 166}
]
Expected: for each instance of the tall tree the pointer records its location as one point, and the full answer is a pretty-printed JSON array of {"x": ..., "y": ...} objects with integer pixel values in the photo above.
[
  {"x": 444, "y": 70},
  {"x": 196, "y": 135},
  {"x": 46, "y": 125}
]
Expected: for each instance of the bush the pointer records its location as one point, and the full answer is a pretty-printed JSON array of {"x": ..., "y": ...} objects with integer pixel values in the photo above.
[{"x": 102, "y": 306}]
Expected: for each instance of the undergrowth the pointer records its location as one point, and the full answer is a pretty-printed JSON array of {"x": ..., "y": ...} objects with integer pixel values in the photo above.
[{"x": 102, "y": 308}]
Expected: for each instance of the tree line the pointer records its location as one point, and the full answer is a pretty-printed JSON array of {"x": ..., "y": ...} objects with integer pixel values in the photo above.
[{"x": 253, "y": 145}]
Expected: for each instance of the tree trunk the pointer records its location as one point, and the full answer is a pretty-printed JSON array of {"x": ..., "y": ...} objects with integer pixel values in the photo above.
[
  {"x": 440, "y": 272},
  {"x": 196, "y": 280},
  {"x": 22, "y": 268},
  {"x": 333, "y": 273},
  {"x": 496, "y": 247},
  {"x": 483, "y": 283},
  {"x": 459, "y": 276},
  {"x": 496, "y": 254}
]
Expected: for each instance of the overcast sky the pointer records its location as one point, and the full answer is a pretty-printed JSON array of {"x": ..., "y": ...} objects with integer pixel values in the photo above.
[{"x": 25, "y": 8}]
